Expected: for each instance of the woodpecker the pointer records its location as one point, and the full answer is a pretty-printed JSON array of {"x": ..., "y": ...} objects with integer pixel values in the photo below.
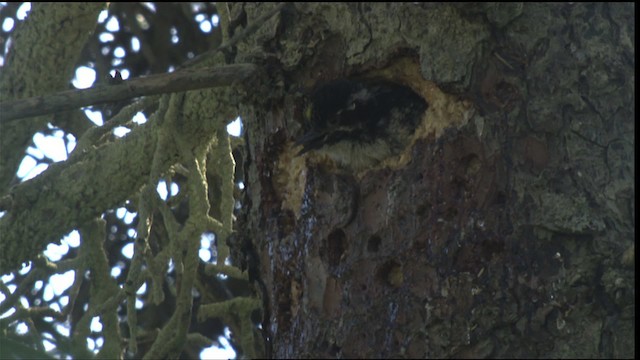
[{"x": 359, "y": 123}]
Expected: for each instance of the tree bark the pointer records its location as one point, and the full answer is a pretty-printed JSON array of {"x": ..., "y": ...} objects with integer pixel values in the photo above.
[{"x": 504, "y": 230}]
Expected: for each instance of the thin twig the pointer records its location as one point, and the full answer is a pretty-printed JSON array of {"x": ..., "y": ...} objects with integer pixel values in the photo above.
[
  {"x": 185, "y": 79},
  {"x": 182, "y": 80},
  {"x": 250, "y": 29}
]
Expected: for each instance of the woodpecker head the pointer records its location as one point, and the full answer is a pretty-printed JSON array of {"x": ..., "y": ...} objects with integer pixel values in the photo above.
[{"x": 359, "y": 123}]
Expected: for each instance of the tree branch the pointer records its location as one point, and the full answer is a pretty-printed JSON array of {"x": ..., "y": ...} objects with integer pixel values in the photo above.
[{"x": 182, "y": 80}]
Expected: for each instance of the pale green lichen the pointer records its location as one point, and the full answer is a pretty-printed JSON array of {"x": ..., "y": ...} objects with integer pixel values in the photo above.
[{"x": 568, "y": 214}]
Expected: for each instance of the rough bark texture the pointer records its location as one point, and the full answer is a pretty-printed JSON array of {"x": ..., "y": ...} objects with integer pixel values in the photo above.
[{"x": 507, "y": 227}]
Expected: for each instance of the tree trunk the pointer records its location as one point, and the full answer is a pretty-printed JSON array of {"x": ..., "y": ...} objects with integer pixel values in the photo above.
[{"x": 505, "y": 229}]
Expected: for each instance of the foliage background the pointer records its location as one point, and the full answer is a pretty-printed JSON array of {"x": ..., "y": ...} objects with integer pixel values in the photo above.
[{"x": 149, "y": 38}]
